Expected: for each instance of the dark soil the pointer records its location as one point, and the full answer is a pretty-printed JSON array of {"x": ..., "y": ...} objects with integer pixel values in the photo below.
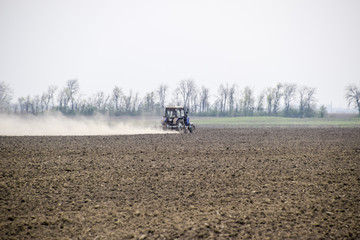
[{"x": 264, "y": 183}]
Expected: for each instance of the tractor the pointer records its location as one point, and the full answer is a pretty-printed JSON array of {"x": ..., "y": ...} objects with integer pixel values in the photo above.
[{"x": 176, "y": 118}]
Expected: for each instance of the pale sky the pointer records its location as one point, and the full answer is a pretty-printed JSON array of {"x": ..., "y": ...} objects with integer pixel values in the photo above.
[{"x": 139, "y": 44}]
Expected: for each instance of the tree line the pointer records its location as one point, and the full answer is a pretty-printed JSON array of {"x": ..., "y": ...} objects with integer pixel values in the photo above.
[{"x": 284, "y": 99}]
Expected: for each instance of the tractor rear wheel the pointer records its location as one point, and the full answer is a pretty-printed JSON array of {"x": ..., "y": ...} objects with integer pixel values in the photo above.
[
  {"x": 181, "y": 126},
  {"x": 191, "y": 128}
]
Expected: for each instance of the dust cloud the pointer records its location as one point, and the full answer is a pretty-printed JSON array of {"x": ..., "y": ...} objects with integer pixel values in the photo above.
[{"x": 59, "y": 125}]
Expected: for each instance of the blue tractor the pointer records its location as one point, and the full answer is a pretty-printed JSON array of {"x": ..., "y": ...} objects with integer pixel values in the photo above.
[{"x": 176, "y": 118}]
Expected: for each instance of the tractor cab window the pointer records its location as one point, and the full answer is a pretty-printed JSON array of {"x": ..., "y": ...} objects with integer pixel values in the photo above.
[{"x": 170, "y": 113}]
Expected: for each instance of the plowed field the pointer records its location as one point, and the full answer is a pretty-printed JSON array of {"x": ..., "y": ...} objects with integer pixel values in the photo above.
[{"x": 262, "y": 183}]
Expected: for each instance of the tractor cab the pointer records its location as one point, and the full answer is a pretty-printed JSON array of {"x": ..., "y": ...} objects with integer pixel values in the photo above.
[
  {"x": 174, "y": 114},
  {"x": 176, "y": 118}
]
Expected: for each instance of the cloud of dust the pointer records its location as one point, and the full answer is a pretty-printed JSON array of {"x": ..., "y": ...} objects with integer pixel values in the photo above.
[{"x": 59, "y": 125}]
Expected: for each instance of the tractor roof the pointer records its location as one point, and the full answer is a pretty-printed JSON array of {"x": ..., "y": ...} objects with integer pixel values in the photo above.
[{"x": 175, "y": 107}]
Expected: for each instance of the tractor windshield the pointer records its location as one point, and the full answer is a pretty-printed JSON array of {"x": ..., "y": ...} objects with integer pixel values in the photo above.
[{"x": 174, "y": 112}]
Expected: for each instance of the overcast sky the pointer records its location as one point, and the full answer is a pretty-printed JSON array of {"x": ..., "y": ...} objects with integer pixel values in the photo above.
[{"x": 138, "y": 44}]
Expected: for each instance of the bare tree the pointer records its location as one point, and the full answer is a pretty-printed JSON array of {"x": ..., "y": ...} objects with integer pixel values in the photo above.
[
  {"x": 260, "y": 102},
  {"x": 149, "y": 101},
  {"x": 5, "y": 97},
  {"x": 217, "y": 106},
  {"x": 231, "y": 92},
  {"x": 269, "y": 99},
  {"x": 194, "y": 100},
  {"x": 135, "y": 103},
  {"x": 128, "y": 101},
  {"x": 352, "y": 95},
  {"x": 247, "y": 101},
  {"x": 176, "y": 97},
  {"x": 223, "y": 96},
  {"x": 36, "y": 105},
  {"x": 21, "y": 103},
  {"x": 28, "y": 104},
  {"x": 50, "y": 96},
  {"x": 306, "y": 101},
  {"x": 100, "y": 101},
  {"x": 289, "y": 95},
  {"x": 161, "y": 93},
  {"x": 277, "y": 97},
  {"x": 82, "y": 106},
  {"x": 310, "y": 102},
  {"x": 116, "y": 97},
  {"x": 302, "y": 100},
  {"x": 63, "y": 99},
  {"x": 186, "y": 88},
  {"x": 204, "y": 99},
  {"x": 47, "y": 98},
  {"x": 131, "y": 102},
  {"x": 72, "y": 88},
  {"x": 43, "y": 102}
]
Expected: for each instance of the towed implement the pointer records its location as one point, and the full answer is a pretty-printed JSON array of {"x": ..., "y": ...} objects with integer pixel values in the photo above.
[{"x": 176, "y": 118}]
